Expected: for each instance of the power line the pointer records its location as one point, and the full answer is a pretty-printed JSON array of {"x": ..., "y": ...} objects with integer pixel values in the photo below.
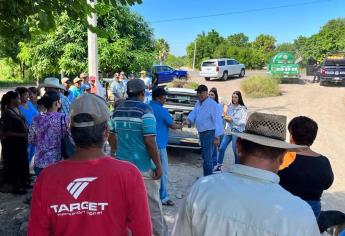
[{"x": 239, "y": 12}]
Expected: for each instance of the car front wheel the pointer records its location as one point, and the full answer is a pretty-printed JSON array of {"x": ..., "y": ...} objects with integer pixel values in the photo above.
[
  {"x": 207, "y": 78},
  {"x": 243, "y": 72}
]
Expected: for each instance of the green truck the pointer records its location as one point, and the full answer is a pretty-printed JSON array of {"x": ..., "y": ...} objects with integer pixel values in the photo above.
[{"x": 283, "y": 66}]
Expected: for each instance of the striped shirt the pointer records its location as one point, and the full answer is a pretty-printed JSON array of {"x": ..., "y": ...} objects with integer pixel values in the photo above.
[{"x": 131, "y": 121}]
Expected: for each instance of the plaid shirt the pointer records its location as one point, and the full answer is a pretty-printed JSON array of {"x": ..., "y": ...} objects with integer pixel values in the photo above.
[{"x": 65, "y": 105}]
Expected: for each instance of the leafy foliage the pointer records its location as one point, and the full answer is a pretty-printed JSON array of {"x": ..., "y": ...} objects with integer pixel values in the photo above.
[
  {"x": 238, "y": 40},
  {"x": 17, "y": 16},
  {"x": 212, "y": 45},
  {"x": 258, "y": 53},
  {"x": 260, "y": 86},
  {"x": 121, "y": 45},
  {"x": 176, "y": 62},
  {"x": 330, "y": 38},
  {"x": 178, "y": 83},
  {"x": 161, "y": 50},
  {"x": 206, "y": 45}
]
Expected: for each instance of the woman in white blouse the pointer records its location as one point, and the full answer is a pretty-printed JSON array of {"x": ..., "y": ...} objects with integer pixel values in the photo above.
[{"x": 236, "y": 117}]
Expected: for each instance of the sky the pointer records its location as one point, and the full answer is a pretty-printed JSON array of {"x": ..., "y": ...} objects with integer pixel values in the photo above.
[{"x": 246, "y": 16}]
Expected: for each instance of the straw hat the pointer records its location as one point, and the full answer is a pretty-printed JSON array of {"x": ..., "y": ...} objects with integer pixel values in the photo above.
[
  {"x": 52, "y": 82},
  {"x": 76, "y": 80},
  {"x": 267, "y": 130}
]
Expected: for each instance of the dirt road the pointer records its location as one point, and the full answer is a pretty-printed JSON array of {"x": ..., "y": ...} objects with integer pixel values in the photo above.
[{"x": 326, "y": 105}]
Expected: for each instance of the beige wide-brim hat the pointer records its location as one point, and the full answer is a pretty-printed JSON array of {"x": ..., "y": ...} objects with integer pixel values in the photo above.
[
  {"x": 267, "y": 130},
  {"x": 52, "y": 82}
]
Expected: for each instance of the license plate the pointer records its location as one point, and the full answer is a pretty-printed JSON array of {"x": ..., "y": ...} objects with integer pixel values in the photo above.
[{"x": 336, "y": 78}]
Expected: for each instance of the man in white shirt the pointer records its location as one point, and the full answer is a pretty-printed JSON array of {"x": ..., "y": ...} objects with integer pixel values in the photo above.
[
  {"x": 117, "y": 87},
  {"x": 249, "y": 199},
  {"x": 148, "y": 83}
]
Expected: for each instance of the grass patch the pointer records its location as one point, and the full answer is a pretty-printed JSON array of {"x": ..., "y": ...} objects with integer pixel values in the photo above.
[
  {"x": 261, "y": 86},
  {"x": 178, "y": 83},
  {"x": 15, "y": 82},
  {"x": 10, "y": 75}
]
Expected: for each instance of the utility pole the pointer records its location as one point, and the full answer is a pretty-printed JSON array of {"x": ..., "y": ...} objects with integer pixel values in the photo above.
[
  {"x": 92, "y": 47},
  {"x": 194, "y": 55}
]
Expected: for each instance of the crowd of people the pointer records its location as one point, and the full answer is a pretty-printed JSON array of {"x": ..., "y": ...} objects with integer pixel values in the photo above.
[{"x": 273, "y": 187}]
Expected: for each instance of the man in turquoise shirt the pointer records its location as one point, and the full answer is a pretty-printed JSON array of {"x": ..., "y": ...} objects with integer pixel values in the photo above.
[
  {"x": 133, "y": 138},
  {"x": 76, "y": 87},
  {"x": 164, "y": 121}
]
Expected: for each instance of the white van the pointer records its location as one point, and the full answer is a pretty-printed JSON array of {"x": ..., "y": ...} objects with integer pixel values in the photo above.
[{"x": 221, "y": 68}]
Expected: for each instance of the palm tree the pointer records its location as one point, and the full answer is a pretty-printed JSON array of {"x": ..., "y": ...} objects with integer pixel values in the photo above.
[{"x": 162, "y": 50}]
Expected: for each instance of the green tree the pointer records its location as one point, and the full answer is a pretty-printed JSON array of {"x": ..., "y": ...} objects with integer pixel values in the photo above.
[
  {"x": 330, "y": 38},
  {"x": 265, "y": 46},
  {"x": 17, "y": 16},
  {"x": 125, "y": 43},
  {"x": 264, "y": 43},
  {"x": 206, "y": 44},
  {"x": 238, "y": 40},
  {"x": 286, "y": 47},
  {"x": 161, "y": 50},
  {"x": 176, "y": 62}
]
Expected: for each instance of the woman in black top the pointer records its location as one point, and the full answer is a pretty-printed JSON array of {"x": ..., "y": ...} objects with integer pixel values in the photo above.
[
  {"x": 310, "y": 173},
  {"x": 14, "y": 144}
]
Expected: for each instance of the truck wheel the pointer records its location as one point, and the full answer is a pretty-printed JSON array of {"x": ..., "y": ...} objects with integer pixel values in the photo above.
[
  {"x": 243, "y": 72},
  {"x": 207, "y": 78},
  {"x": 225, "y": 76}
]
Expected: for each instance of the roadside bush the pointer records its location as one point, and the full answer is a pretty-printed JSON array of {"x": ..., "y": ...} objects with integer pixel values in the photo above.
[
  {"x": 260, "y": 86},
  {"x": 191, "y": 85},
  {"x": 176, "y": 62},
  {"x": 178, "y": 83}
]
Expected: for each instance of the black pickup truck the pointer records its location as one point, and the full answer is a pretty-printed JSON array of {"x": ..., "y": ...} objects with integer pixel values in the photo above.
[{"x": 332, "y": 70}]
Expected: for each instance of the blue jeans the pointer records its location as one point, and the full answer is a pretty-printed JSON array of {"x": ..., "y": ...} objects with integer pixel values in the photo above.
[
  {"x": 215, "y": 156},
  {"x": 316, "y": 206},
  {"x": 215, "y": 152},
  {"x": 206, "y": 140},
  {"x": 163, "y": 192},
  {"x": 224, "y": 144}
]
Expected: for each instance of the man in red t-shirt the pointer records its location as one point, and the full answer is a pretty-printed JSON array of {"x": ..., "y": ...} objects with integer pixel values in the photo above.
[{"x": 90, "y": 194}]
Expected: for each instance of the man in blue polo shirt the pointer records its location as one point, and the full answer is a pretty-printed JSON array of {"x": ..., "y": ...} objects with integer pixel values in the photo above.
[
  {"x": 164, "y": 121},
  {"x": 133, "y": 138}
]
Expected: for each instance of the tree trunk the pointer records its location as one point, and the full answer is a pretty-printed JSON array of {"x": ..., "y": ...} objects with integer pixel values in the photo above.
[{"x": 22, "y": 68}]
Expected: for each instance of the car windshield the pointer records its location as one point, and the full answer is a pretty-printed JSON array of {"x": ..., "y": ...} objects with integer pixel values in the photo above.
[
  {"x": 181, "y": 99},
  {"x": 335, "y": 62},
  {"x": 209, "y": 63}
]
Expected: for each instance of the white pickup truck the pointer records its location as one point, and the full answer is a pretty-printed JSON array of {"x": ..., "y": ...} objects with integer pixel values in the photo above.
[{"x": 221, "y": 68}]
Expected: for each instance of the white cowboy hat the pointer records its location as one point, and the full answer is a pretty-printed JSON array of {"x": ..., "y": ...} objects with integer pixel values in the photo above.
[
  {"x": 52, "y": 82},
  {"x": 267, "y": 130}
]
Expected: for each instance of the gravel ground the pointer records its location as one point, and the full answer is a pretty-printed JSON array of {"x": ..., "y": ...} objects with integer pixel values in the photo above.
[{"x": 326, "y": 105}]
